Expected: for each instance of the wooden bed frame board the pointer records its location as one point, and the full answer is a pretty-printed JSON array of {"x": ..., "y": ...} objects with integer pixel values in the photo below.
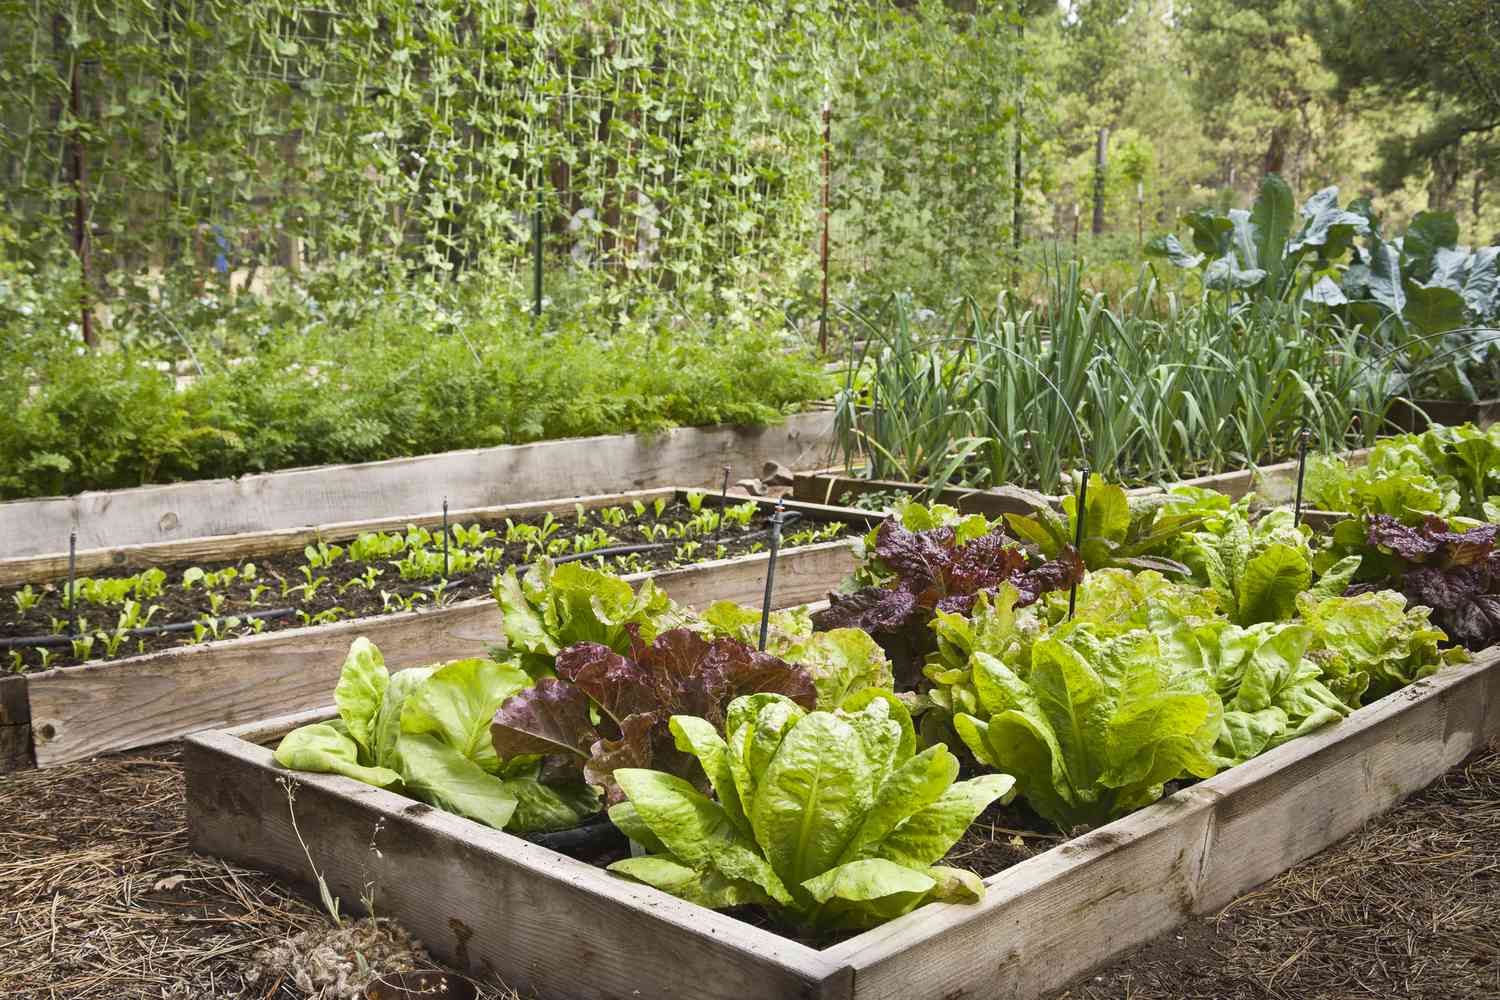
[
  {"x": 399, "y": 487},
  {"x": 544, "y": 922},
  {"x": 71, "y": 713},
  {"x": 35, "y": 569}
]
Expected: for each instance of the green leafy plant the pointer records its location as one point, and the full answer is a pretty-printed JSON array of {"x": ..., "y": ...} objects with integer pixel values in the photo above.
[
  {"x": 424, "y": 731},
  {"x": 833, "y": 818},
  {"x": 1118, "y": 531},
  {"x": 1092, "y": 727}
]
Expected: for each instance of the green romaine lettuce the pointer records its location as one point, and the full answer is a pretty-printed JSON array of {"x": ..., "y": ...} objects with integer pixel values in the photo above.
[
  {"x": 832, "y": 817},
  {"x": 553, "y": 607},
  {"x": 1097, "y": 726}
]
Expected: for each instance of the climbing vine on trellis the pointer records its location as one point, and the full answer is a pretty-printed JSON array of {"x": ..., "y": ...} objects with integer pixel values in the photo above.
[{"x": 670, "y": 144}]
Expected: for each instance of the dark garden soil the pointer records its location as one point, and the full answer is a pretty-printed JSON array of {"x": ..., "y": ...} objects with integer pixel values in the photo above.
[
  {"x": 344, "y": 595},
  {"x": 101, "y": 899}
]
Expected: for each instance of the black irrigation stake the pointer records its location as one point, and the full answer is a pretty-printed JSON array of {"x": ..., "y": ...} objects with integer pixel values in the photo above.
[
  {"x": 1078, "y": 518},
  {"x": 72, "y": 567},
  {"x": 723, "y": 503},
  {"x": 765, "y": 608},
  {"x": 445, "y": 538},
  {"x": 1301, "y": 472}
]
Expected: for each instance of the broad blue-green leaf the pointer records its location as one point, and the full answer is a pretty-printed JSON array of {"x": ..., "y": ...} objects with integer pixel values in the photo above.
[
  {"x": 1431, "y": 309},
  {"x": 325, "y": 749},
  {"x": 1172, "y": 249},
  {"x": 1272, "y": 217},
  {"x": 360, "y": 690}
]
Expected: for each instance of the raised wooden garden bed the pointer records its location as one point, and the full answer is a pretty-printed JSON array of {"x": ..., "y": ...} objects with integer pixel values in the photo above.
[
  {"x": 1420, "y": 414},
  {"x": 485, "y": 477},
  {"x": 544, "y": 923},
  {"x": 75, "y": 712},
  {"x": 831, "y": 487}
]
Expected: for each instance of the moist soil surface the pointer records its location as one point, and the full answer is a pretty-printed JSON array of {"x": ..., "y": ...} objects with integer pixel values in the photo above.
[
  {"x": 100, "y": 899},
  {"x": 344, "y": 594}
]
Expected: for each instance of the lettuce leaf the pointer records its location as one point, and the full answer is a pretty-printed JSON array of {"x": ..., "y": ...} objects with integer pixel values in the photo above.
[
  {"x": 425, "y": 731},
  {"x": 1097, "y": 727},
  {"x": 553, "y": 607},
  {"x": 606, "y": 710},
  {"x": 934, "y": 572},
  {"x": 831, "y": 817},
  {"x": 1118, "y": 530}
]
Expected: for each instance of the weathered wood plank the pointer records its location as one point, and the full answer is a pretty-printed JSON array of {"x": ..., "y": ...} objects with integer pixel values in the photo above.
[
  {"x": 33, "y": 569},
  {"x": 824, "y": 488},
  {"x": 15, "y": 725},
  {"x": 483, "y": 477},
  {"x": 1047, "y": 920},
  {"x": 489, "y": 903},
  {"x": 78, "y": 712},
  {"x": 1062, "y": 914},
  {"x": 1290, "y": 803},
  {"x": 1043, "y": 922},
  {"x": 81, "y": 711}
]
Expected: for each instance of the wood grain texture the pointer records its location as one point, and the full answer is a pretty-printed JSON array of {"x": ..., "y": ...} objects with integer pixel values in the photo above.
[
  {"x": 824, "y": 488},
  {"x": 489, "y": 903},
  {"x": 34, "y": 569},
  {"x": 484, "y": 477},
  {"x": 1046, "y": 921},
  {"x": 1042, "y": 923},
  {"x": 1061, "y": 915},
  {"x": 78, "y": 712},
  {"x": 1295, "y": 800},
  {"x": 116, "y": 705},
  {"x": 15, "y": 725}
]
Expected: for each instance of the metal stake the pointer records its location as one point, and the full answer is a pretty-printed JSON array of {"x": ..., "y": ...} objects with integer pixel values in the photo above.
[
  {"x": 72, "y": 565},
  {"x": 1302, "y": 439},
  {"x": 445, "y": 538},
  {"x": 765, "y": 609},
  {"x": 1078, "y": 519},
  {"x": 723, "y": 503}
]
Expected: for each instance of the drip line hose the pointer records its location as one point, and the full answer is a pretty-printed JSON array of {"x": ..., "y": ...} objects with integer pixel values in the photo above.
[
  {"x": 56, "y": 641},
  {"x": 140, "y": 633},
  {"x": 613, "y": 550}
]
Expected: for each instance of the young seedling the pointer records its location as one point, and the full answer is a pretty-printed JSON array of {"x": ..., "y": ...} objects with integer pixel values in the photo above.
[
  {"x": 190, "y": 576},
  {"x": 695, "y": 500},
  {"x": 322, "y": 555},
  {"x": 25, "y": 599},
  {"x": 660, "y": 506},
  {"x": 17, "y": 664},
  {"x": 83, "y": 647}
]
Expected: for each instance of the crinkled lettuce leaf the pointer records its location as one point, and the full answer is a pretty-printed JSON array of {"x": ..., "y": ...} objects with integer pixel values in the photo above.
[
  {"x": 1097, "y": 727},
  {"x": 831, "y": 817}
]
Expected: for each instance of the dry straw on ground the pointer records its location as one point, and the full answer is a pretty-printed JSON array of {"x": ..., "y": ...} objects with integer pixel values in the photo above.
[{"x": 100, "y": 899}]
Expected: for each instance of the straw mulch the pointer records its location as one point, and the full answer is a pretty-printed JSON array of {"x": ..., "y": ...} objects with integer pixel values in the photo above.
[
  {"x": 1408, "y": 907},
  {"x": 100, "y": 899}
]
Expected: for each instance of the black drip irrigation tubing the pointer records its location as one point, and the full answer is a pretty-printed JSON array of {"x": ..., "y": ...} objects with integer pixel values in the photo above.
[
  {"x": 140, "y": 633},
  {"x": 48, "y": 641}
]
